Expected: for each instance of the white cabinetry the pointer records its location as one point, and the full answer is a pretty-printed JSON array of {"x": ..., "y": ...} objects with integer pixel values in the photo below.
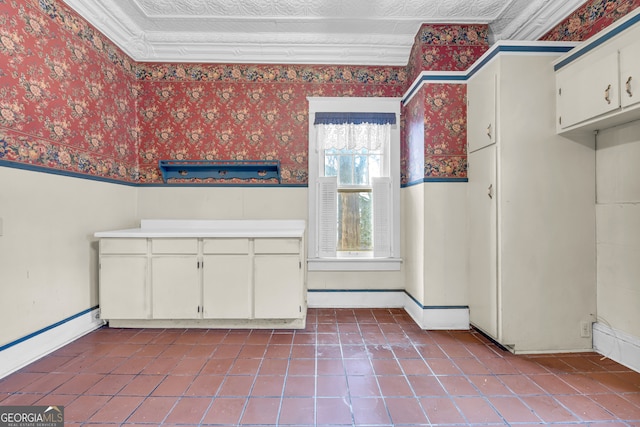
[
  {"x": 483, "y": 239},
  {"x": 630, "y": 73},
  {"x": 124, "y": 286},
  {"x": 175, "y": 279},
  {"x": 531, "y": 213},
  {"x": 585, "y": 92},
  {"x": 597, "y": 82},
  {"x": 481, "y": 113},
  {"x": 227, "y": 273},
  {"x": 228, "y": 281},
  {"x": 278, "y": 272}
]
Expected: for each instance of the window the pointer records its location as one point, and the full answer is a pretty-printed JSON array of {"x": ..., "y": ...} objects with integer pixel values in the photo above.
[{"x": 354, "y": 183}]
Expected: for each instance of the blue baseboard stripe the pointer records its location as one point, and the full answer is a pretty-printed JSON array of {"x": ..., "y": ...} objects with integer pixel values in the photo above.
[
  {"x": 432, "y": 179},
  {"x": 423, "y": 307},
  {"x": 356, "y": 290},
  {"x": 48, "y": 328}
]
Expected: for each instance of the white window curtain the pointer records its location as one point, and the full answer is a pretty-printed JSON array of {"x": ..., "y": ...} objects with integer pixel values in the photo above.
[
  {"x": 373, "y": 137},
  {"x": 354, "y": 136}
]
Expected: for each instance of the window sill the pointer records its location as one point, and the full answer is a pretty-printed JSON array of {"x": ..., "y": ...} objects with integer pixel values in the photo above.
[{"x": 354, "y": 264}]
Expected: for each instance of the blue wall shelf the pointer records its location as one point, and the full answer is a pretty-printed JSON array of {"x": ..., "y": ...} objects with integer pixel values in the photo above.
[{"x": 219, "y": 169}]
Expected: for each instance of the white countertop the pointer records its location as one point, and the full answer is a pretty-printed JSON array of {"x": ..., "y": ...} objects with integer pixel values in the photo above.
[{"x": 210, "y": 228}]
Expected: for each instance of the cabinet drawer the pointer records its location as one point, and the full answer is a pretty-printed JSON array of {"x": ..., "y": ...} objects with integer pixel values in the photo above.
[
  {"x": 174, "y": 246},
  {"x": 225, "y": 246},
  {"x": 277, "y": 246},
  {"x": 123, "y": 246}
]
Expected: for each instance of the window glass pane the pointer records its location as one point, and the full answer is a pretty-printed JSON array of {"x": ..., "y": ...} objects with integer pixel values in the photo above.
[
  {"x": 353, "y": 167},
  {"x": 345, "y": 170},
  {"x": 375, "y": 166},
  {"x": 331, "y": 165},
  {"x": 355, "y": 227},
  {"x": 361, "y": 168}
]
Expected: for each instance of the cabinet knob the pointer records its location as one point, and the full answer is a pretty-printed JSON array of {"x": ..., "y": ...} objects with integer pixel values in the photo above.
[
  {"x": 607, "y": 96},
  {"x": 490, "y": 191},
  {"x": 489, "y": 131},
  {"x": 628, "y": 87}
]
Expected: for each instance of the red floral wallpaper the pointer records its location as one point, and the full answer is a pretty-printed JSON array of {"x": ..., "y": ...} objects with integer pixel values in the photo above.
[
  {"x": 413, "y": 140},
  {"x": 445, "y": 131},
  {"x": 590, "y": 18},
  {"x": 67, "y": 98},
  {"x": 443, "y": 47},
  {"x": 240, "y": 112},
  {"x": 72, "y": 101},
  {"x": 440, "y": 108}
]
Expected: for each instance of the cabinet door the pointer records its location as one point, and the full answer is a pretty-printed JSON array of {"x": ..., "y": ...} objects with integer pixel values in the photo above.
[
  {"x": 226, "y": 286},
  {"x": 630, "y": 74},
  {"x": 587, "y": 89},
  {"x": 175, "y": 285},
  {"x": 277, "y": 287},
  {"x": 482, "y": 199},
  {"x": 481, "y": 108},
  {"x": 123, "y": 287}
]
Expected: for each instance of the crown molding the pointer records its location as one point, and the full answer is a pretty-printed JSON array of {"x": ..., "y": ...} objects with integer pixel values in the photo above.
[
  {"x": 534, "y": 21},
  {"x": 299, "y": 32}
]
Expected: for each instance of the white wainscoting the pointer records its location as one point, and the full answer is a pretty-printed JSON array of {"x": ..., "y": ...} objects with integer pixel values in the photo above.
[
  {"x": 427, "y": 317},
  {"x": 617, "y": 345},
  {"x": 26, "y": 350}
]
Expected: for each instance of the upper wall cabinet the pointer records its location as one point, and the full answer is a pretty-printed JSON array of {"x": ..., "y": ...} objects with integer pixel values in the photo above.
[
  {"x": 481, "y": 107},
  {"x": 630, "y": 73},
  {"x": 597, "y": 82}
]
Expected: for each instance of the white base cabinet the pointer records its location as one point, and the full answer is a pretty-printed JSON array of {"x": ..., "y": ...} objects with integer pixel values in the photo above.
[
  {"x": 202, "y": 282},
  {"x": 531, "y": 204}
]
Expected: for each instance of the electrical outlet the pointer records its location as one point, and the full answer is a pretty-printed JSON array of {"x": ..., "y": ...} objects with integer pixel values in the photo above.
[{"x": 585, "y": 329}]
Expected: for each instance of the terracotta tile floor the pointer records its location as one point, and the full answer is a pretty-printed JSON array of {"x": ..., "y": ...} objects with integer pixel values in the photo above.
[{"x": 349, "y": 367}]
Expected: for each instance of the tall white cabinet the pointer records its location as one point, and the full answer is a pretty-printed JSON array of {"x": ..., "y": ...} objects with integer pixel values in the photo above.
[{"x": 531, "y": 208}]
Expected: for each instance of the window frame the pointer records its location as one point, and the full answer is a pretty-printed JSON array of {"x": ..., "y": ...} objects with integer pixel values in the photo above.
[{"x": 344, "y": 263}]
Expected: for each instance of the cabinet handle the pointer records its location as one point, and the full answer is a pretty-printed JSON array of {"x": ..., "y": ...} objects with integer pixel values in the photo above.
[
  {"x": 489, "y": 131},
  {"x": 490, "y": 191},
  {"x": 607, "y": 97},
  {"x": 628, "y": 86}
]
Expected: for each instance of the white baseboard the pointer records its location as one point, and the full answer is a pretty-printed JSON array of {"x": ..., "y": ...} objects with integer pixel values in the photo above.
[
  {"x": 617, "y": 345},
  {"x": 438, "y": 317},
  {"x": 26, "y": 350},
  {"x": 355, "y": 298}
]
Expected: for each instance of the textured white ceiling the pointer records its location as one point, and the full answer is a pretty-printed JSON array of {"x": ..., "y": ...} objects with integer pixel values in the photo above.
[{"x": 364, "y": 32}]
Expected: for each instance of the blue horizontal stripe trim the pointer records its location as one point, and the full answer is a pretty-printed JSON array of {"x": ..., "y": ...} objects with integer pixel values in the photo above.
[
  {"x": 48, "y": 328},
  {"x": 445, "y": 307},
  {"x": 437, "y": 307},
  {"x": 433, "y": 78},
  {"x": 354, "y": 118},
  {"x": 44, "y": 169},
  {"x": 428, "y": 179},
  {"x": 476, "y": 67},
  {"x": 213, "y": 184},
  {"x": 355, "y": 290},
  {"x": 71, "y": 174},
  {"x": 594, "y": 44},
  {"x": 424, "y": 307}
]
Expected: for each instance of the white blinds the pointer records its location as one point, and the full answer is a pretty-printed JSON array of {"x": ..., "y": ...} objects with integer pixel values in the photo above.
[
  {"x": 382, "y": 217},
  {"x": 327, "y": 216}
]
